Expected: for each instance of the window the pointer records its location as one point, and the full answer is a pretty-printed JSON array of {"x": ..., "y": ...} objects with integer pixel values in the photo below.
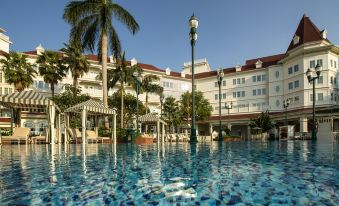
[
  {"x": 296, "y": 99},
  {"x": 10, "y": 90},
  {"x": 277, "y": 74},
  {"x": 0, "y": 90},
  {"x": 215, "y": 84},
  {"x": 224, "y": 83},
  {"x": 243, "y": 80},
  {"x": 259, "y": 91},
  {"x": 296, "y": 68},
  {"x": 311, "y": 97},
  {"x": 263, "y": 91},
  {"x": 335, "y": 80},
  {"x": 320, "y": 80},
  {"x": 331, "y": 80},
  {"x": 239, "y": 94},
  {"x": 331, "y": 62},
  {"x": 0, "y": 77},
  {"x": 234, "y": 94},
  {"x": 254, "y": 78},
  {"x": 320, "y": 62},
  {"x": 277, "y": 103},
  {"x": 234, "y": 81},
  {"x": 290, "y": 70},
  {"x": 290, "y": 85},
  {"x": 243, "y": 93},
  {"x": 254, "y": 92},
  {"x": 296, "y": 84},
  {"x": 263, "y": 77},
  {"x": 224, "y": 95},
  {"x": 6, "y": 90},
  {"x": 312, "y": 64},
  {"x": 320, "y": 97},
  {"x": 277, "y": 88},
  {"x": 335, "y": 64},
  {"x": 331, "y": 96},
  {"x": 259, "y": 78},
  {"x": 216, "y": 96},
  {"x": 238, "y": 81}
]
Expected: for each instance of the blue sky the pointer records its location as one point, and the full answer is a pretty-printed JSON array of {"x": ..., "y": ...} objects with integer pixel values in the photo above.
[{"x": 230, "y": 31}]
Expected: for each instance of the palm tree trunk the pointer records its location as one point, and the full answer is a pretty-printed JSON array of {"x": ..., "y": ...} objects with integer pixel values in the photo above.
[
  {"x": 122, "y": 105},
  {"x": 52, "y": 89},
  {"x": 146, "y": 102},
  {"x": 75, "y": 82},
  {"x": 104, "y": 73}
]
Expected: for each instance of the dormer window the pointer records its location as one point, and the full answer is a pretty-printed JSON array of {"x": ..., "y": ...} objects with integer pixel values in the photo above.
[
  {"x": 324, "y": 34},
  {"x": 238, "y": 68},
  {"x": 258, "y": 64},
  {"x": 296, "y": 39},
  {"x": 168, "y": 71},
  {"x": 134, "y": 62}
]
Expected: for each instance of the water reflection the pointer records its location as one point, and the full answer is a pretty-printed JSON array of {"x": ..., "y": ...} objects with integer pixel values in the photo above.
[{"x": 168, "y": 173}]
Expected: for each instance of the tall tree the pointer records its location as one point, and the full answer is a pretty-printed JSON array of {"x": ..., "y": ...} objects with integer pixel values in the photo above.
[
  {"x": 124, "y": 75},
  {"x": 76, "y": 62},
  {"x": 18, "y": 71},
  {"x": 263, "y": 122},
  {"x": 51, "y": 68},
  {"x": 171, "y": 112},
  {"x": 148, "y": 86},
  {"x": 91, "y": 22},
  {"x": 129, "y": 107},
  {"x": 203, "y": 109}
]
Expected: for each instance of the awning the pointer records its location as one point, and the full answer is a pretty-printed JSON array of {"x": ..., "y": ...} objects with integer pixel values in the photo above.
[
  {"x": 151, "y": 118},
  {"x": 91, "y": 106},
  {"x": 26, "y": 99}
]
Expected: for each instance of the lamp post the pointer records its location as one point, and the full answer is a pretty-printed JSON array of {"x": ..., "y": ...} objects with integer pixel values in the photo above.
[
  {"x": 193, "y": 23},
  {"x": 286, "y": 103},
  {"x": 137, "y": 78},
  {"x": 311, "y": 79},
  {"x": 219, "y": 78},
  {"x": 162, "y": 97},
  {"x": 228, "y": 107}
]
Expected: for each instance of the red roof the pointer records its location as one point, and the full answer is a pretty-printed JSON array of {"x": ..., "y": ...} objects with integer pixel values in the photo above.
[{"x": 307, "y": 32}]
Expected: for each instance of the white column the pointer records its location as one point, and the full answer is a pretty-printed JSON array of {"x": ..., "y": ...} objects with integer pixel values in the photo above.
[
  {"x": 303, "y": 124},
  {"x": 52, "y": 119},
  {"x": 65, "y": 128},
  {"x": 83, "y": 121},
  {"x": 59, "y": 128},
  {"x": 163, "y": 133},
  {"x": 158, "y": 130},
  {"x": 114, "y": 129},
  {"x": 211, "y": 131}
]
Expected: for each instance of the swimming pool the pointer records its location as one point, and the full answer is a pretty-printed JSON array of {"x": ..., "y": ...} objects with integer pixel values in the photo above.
[{"x": 236, "y": 173}]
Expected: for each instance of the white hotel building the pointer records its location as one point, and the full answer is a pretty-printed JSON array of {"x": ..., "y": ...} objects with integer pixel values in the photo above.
[{"x": 260, "y": 84}]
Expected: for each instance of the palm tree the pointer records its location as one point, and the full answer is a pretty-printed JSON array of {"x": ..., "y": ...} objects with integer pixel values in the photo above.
[
  {"x": 148, "y": 86},
  {"x": 123, "y": 75},
  {"x": 91, "y": 22},
  {"x": 51, "y": 68},
  {"x": 18, "y": 71},
  {"x": 76, "y": 62},
  {"x": 172, "y": 113}
]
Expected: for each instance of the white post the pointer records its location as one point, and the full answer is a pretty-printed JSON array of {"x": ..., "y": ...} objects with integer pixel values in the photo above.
[
  {"x": 83, "y": 121},
  {"x": 59, "y": 128},
  {"x": 163, "y": 133},
  {"x": 158, "y": 130},
  {"x": 114, "y": 129},
  {"x": 303, "y": 124},
  {"x": 52, "y": 119},
  {"x": 65, "y": 128}
]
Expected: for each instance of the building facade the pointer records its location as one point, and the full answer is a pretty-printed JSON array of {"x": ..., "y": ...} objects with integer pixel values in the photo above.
[{"x": 261, "y": 84}]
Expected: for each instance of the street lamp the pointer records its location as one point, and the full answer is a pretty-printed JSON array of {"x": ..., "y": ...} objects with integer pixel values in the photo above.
[
  {"x": 162, "y": 97},
  {"x": 228, "y": 106},
  {"x": 311, "y": 79},
  {"x": 219, "y": 78},
  {"x": 138, "y": 80},
  {"x": 193, "y": 23},
  {"x": 286, "y": 103}
]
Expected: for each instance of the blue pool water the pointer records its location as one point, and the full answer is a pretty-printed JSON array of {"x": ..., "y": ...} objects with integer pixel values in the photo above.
[{"x": 237, "y": 173}]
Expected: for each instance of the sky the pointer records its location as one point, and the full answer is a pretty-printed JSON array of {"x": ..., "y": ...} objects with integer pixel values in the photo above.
[{"x": 229, "y": 32}]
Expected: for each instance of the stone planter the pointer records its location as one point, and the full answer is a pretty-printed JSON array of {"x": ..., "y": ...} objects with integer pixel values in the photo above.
[
  {"x": 142, "y": 140},
  {"x": 232, "y": 139}
]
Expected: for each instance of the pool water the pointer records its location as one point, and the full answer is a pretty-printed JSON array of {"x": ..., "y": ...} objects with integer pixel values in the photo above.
[{"x": 236, "y": 173}]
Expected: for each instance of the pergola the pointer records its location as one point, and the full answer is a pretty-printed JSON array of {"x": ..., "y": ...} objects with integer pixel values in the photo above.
[
  {"x": 153, "y": 118},
  {"x": 31, "y": 99},
  {"x": 91, "y": 107}
]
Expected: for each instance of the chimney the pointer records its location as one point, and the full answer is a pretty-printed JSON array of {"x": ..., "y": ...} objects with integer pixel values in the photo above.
[
  {"x": 168, "y": 71},
  {"x": 258, "y": 64},
  {"x": 238, "y": 68},
  {"x": 134, "y": 62}
]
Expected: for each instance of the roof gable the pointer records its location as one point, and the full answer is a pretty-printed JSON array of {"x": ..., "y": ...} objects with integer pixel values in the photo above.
[{"x": 307, "y": 32}]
